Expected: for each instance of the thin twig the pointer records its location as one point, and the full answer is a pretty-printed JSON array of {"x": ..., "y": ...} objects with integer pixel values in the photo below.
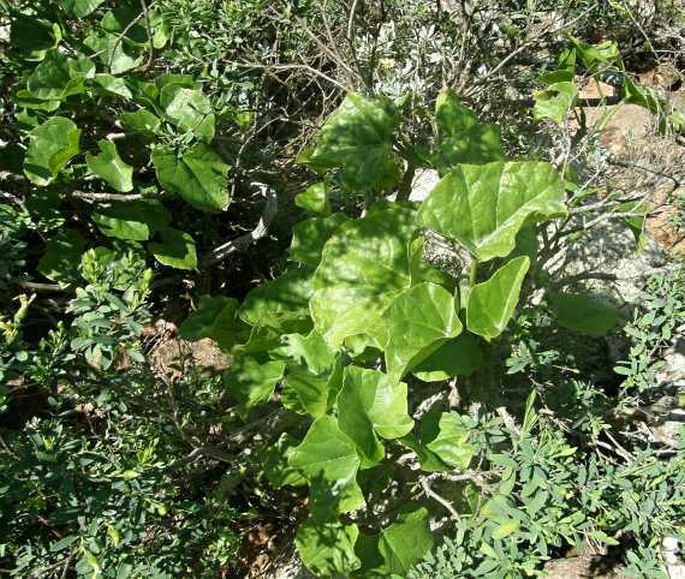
[
  {"x": 429, "y": 492},
  {"x": 95, "y": 197}
]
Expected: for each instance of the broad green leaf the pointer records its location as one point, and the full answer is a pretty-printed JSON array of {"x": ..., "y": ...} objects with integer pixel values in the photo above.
[
  {"x": 458, "y": 357},
  {"x": 79, "y": 8},
  {"x": 328, "y": 457},
  {"x": 371, "y": 405},
  {"x": 406, "y": 542},
  {"x": 140, "y": 121},
  {"x": 364, "y": 265},
  {"x": 51, "y": 146},
  {"x": 177, "y": 249},
  {"x": 111, "y": 51},
  {"x": 113, "y": 85},
  {"x": 62, "y": 256},
  {"x": 357, "y": 139},
  {"x": 597, "y": 57},
  {"x": 189, "y": 110},
  {"x": 199, "y": 176},
  {"x": 311, "y": 351},
  {"x": 274, "y": 461},
  {"x": 449, "y": 440},
  {"x": 328, "y": 548},
  {"x": 314, "y": 199},
  {"x": 417, "y": 322},
  {"x": 462, "y": 138},
  {"x": 280, "y": 304},
  {"x": 305, "y": 392},
  {"x": 491, "y": 303},
  {"x": 252, "y": 381},
  {"x": 310, "y": 235},
  {"x": 25, "y": 99},
  {"x": 216, "y": 318},
  {"x": 484, "y": 206},
  {"x": 135, "y": 220},
  {"x": 555, "y": 101},
  {"x": 584, "y": 314},
  {"x": 32, "y": 36},
  {"x": 108, "y": 166},
  {"x": 58, "y": 77}
]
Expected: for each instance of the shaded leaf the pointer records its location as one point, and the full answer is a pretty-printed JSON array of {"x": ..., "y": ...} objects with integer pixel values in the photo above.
[
  {"x": 584, "y": 314},
  {"x": 108, "y": 166},
  {"x": 484, "y": 206},
  {"x": 135, "y": 220},
  {"x": 79, "y": 8},
  {"x": 199, "y": 176},
  {"x": 51, "y": 146},
  {"x": 357, "y": 139},
  {"x": 458, "y": 357},
  {"x": 461, "y": 137},
  {"x": 491, "y": 303},
  {"x": 370, "y": 405},
  {"x": 177, "y": 249},
  {"x": 406, "y": 542},
  {"x": 417, "y": 322},
  {"x": 113, "y": 85},
  {"x": 62, "y": 256},
  {"x": 328, "y": 549},
  {"x": 216, "y": 318},
  {"x": 251, "y": 381},
  {"x": 310, "y": 235},
  {"x": 141, "y": 121}
]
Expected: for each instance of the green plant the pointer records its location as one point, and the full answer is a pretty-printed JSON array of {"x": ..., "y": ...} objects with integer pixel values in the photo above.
[{"x": 350, "y": 336}]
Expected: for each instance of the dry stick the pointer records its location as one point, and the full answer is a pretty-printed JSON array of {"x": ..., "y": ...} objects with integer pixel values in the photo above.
[
  {"x": 94, "y": 197},
  {"x": 429, "y": 492},
  {"x": 244, "y": 241},
  {"x": 148, "y": 29},
  {"x": 292, "y": 67}
]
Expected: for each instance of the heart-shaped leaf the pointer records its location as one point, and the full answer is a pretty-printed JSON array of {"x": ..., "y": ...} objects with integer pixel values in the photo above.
[
  {"x": 135, "y": 220},
  {"x": 458, "y": 357},
  {"x": 189, "y": 110},
  {"x": 199, "y": 176},
  {"x": 327, "y": 549},
  {"x": 584, "y": 314},
  {"x": 405, "y": 542},
  {"x": 108, "y": 166},
  {"x": 417, "y": 322},
  {"x": 328, "y": 457},
  {"x": 484, "y": 206},
  {"x": 216, "y": 318},
  {"x": 253, "y": 382},
  {"x": 364, "y": 265},
  {"x": 51, "y": 146},
  {"x": 370, "y": 405},
  {"x": 462, "y": 138},
  {"x": 491, "y": 303},
  {"x": 357, "y": 138},
  {"x": 177, "y": 249}
]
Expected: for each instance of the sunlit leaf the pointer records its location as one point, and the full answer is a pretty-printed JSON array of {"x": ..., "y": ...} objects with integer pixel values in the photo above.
[
  {"x": 51, "y": 146},
  {"x": 491, "y": 303},
  {"x": 370, "y": 405},
  {"x": 484, "y": 206},
  {"x": 357, "y": 139},
  {"x": 406, "y": 542},
  {"x": 417, "y": 322},
  {"x": 198, "y": 176},
  {"x": 462, "y": 138},
  {"x": 109, "y": 166}
]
